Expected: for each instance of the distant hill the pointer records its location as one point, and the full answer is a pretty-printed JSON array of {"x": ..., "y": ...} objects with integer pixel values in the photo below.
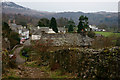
[
  {"x": 109, "y": 19},
  {"x": 12, "y": 8},
  {"x": 94, "y": 18}
]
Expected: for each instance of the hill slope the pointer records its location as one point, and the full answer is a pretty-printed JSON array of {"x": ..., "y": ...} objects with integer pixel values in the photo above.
[{"x": 100, "y": 18}]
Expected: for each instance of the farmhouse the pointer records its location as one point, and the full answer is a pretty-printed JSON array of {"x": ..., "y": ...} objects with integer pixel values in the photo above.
[{"x": 94, "y": 28}]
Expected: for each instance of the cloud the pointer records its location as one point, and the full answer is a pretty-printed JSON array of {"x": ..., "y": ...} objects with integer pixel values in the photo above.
[{"x": 63, "y": 0}]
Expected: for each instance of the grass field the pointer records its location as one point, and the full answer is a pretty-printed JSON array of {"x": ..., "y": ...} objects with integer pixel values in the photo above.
[{"x": 107, "y": 34}]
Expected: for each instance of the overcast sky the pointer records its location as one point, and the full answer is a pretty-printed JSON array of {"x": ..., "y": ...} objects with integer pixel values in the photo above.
[{"x": 70, "y": 5}]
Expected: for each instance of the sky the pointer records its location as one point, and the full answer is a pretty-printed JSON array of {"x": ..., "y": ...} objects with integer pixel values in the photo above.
[
  {"x": 70, "y": 5},
  {"x": 63, "y": 0}
]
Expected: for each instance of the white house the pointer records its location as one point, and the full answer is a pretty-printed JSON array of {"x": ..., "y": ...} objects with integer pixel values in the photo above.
[
  {"x": 24, "y": 34},
  {"x": 36, "y": 37},
  {"x": 94, "y": 28}
]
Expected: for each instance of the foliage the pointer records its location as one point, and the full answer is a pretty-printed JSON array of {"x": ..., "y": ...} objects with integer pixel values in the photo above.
[
  {"x": 44, "y": 22},
  {"x": 94, "y": 18},
  {"x": 7, "y": 62},
  {"x": 70, "y": 29},
  {"x": 41, "y": 45},
  {"x": 12, "y": 36},
  {"x": 86, "y": 64},
  {"x": 118, "y": 41},
  {"x": 53, "y": 24},
  {"x": 91, "y": 34},
  {"x": 83, "y": 24},
  {"x": 103, "y": 42},
  {"x": 5, "y": 29},
  {"x": 26, "y": 50},
  {"x": 12, "y": 63},
  {"x": 14, "y": 39},
  {"x": 70, "y": 26}
]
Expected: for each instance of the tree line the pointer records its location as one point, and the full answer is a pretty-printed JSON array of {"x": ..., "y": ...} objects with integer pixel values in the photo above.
[{"x": 70, "y": 24}]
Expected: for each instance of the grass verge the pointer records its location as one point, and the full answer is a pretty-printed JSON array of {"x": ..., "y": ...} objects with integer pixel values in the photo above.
[{"x": 108, "y": 34}]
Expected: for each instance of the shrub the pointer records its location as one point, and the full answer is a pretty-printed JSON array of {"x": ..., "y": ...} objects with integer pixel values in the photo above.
[
  {"x": 14, "y": 39},
  {"x": 7, "y": 62},
  {"x": 118, "y": 42},
  {"x": 102, "y": 65},
  {"x": 12, "y": 36},
  {"x": 91, "y": 34},
  {"x": 103, "y": 42},
  {"x": 42, "y": 45},
  {"x": 12, "y": 63}
]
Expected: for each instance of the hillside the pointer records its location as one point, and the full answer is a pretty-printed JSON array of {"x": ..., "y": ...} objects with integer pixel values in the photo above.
[
  {"x": 102, "y": 19},
  {"x": 12, "y": 8}
]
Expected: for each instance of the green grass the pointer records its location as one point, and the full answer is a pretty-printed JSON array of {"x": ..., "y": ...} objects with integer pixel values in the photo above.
[
  {"x": 108, "y": 34},
  {"x": 31, "y": 64}
]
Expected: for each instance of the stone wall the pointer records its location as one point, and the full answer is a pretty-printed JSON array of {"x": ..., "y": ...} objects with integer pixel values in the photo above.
[{"x": 68, "y": 39}]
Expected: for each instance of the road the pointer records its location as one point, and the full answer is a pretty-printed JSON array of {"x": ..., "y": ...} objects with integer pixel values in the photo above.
[{"x": 19, "y": 60}]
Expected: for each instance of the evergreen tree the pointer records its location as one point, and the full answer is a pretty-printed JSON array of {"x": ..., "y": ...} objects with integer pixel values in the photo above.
[
  {"x": 53, "y": 24},
  {"x": 70, "y": 28},
  {"x": 83, "y": 24},
  {"x": 71, "y": 25}
]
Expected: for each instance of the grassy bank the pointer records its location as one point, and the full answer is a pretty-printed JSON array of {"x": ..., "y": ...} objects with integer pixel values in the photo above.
[{"x": 108, "y": 34}]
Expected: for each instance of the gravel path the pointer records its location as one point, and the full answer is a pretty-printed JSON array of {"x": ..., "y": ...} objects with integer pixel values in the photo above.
[{"x": 19, "y": 60}]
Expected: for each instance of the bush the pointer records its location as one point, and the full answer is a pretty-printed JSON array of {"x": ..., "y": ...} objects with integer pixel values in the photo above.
[
  {"x": 12, "y": 36},
  {"x": 91, "y": 65},
  {"x": 7, "y": 62},
  {"x": 14, "y": 39},
  {"x": 103, "y": 42},
  {"x": 12, "y": 64},
  {"x": 91, "y": 34},
  {"x": 42, "y": 46},
  {"x": 87, "y": 65},
  {"x": 118, "y": 42}
]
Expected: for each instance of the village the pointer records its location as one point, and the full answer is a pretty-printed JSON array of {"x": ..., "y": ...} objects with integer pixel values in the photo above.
[
  {"x": 60, "y": 40},
  {"x": 35, "y": 33},
  {"x": 72, "y": 51}
]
